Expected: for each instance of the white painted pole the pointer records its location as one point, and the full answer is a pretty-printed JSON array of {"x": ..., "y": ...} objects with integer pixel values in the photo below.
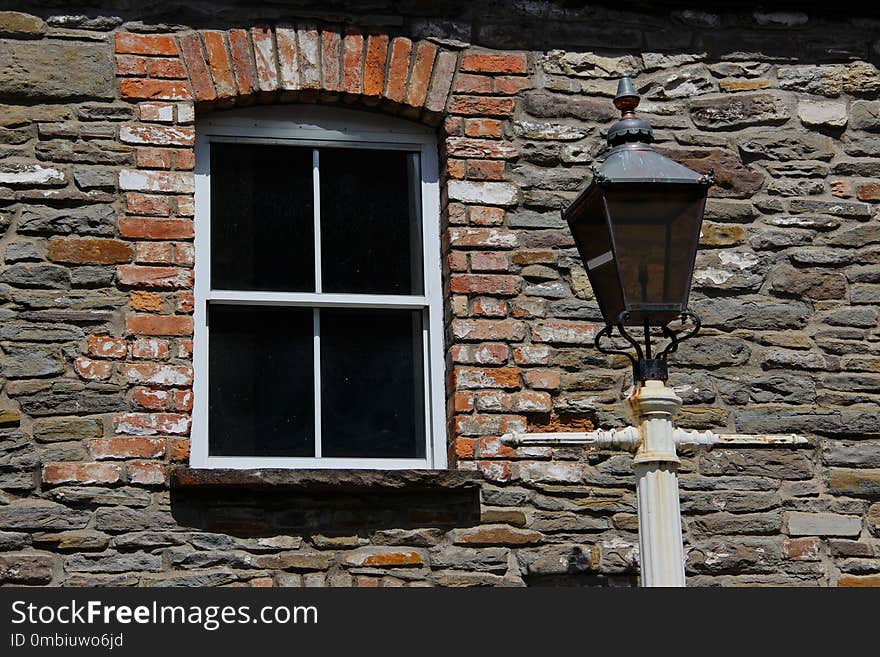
[{"x": 653, "y": 406}]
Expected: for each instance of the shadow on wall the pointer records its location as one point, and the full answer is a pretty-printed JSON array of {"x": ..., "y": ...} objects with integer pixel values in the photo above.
[{"x": 269, "y": 513}]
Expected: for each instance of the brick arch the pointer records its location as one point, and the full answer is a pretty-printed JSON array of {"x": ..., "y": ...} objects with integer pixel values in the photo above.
[{"x": 219, "y": 69}]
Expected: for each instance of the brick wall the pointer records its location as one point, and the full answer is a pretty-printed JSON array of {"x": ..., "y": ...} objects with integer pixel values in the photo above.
[{"x": 96, "y": 207}]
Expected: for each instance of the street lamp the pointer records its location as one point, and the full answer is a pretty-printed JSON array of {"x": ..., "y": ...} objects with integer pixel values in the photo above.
[{"x": 636, "y": 226}]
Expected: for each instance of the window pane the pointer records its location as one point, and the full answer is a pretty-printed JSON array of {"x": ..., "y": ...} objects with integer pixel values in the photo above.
[
  {"x": 370, "y": 222},
  {"x": 372, "y": 383},
  {"x": 262, "y": 218},
  {"x": 261, "y": 399}
]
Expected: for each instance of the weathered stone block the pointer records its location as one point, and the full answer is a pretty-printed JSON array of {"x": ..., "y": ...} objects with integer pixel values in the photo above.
[
  {"x": 738, "y": 111},
  {"x": 822, "y": 524},
  {"x": 19, "y": 569},
  {"x": 55, "y": 70}
]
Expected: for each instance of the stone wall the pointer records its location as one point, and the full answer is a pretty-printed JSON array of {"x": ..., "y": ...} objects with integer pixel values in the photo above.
[{"x": 96, "y": 134}]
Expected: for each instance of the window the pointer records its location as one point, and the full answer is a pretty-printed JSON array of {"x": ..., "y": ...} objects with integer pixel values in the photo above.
[{"x": 319, "y": 333}]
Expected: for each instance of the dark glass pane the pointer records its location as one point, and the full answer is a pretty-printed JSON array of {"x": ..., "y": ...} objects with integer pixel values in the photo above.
[
  {"x": 261, "y": 398},
  {"x": 371, "y": 239},
  {"x": 655, "y": 234},
  {"x": 372, "y": 383},
  {"x": 262, "y": 218}
]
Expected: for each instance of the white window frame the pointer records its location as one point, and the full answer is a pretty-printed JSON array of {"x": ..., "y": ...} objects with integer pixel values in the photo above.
[{"x": 309, "y": 125}]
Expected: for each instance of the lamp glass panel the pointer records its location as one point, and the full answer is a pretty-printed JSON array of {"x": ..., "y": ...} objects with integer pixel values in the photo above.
[{"x": 655, "y": 231}]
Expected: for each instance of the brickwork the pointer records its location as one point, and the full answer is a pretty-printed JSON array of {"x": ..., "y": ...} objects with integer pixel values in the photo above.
[{"x": 96, "y": 208}]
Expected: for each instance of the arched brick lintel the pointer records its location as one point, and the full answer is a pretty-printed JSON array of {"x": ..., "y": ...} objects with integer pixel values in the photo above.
[{"x": 218, "y": 69}]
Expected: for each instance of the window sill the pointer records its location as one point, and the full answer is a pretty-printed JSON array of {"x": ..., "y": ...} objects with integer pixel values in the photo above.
[{"x": 333, "y": 481}]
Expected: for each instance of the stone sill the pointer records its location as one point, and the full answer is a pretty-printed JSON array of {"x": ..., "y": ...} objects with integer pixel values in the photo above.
[{"x": 325, "y": 481}]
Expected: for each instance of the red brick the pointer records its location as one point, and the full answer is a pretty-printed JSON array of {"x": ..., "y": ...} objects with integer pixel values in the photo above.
[
  {"x": 154, "y": 253},
  {"x": 148, "y": 424},
  {"x": 488, "y": 353},
  {"x": 243, "y": 61},
  {"x": 147, "y": 301},
  {"x": 145, "y": 44},
  {"x": 194, "y": 58},
  {"x": 156, "y": 229},
  {"x": 510, "y": 85},
  {"x": 492, "y": 63},
  {"x": 488, "y": 261},
  {"x": 182, "y": 400},
  {"x": 219, "y": 63},
  {"x": 158, "y": 135},
  {"x": 103, "y": 346},
  {"x": 482, "y": 106},
  {"x": 485, "y": 284},
  {"x": 472, "y": 84},
  {"x": 485, "y": 169},
  {"x": 178, "y": 449},
  {"x": 488, "y": 424},
  {"x": 309, "y": 42},
  {"x": 540, "y": 379},
  {"x": 146, "y": 473},
  {"x": 457, "y": 261},
  {"x": 159, "y": 324},
  {"x": 264, "y": 56},
  {"x": 288, "y": 58},
  {"x": 184, "y": 253},
  {"x": 456, "y": 213},
  {"x": 480, "y": 148},
  {"x": 420, "y": 75},
  {"x": 330, "y": 43},
  {"x": 155, "y": 277},
  {"x": 441, "y": 81},
  {"x": 156, "y": 181},
  {"x": 464, "y": 448},
  {"x": 156, "y": 112},
  {"x": 497, "y": 471},
  {"x": 528, "y": 308},
  {"x": 469, "y": 378},
  {"x": 158, "y": 374},
  {"x": 185, "y": 301},
  {"x": 154, "y": 158},
  {"x": 131, "y": 65},
  {"x": 135, "y": 88},
  {"x": 88, "y": 250},
  {"x": 127, "y": 447},
  {"x": 486, "y": 216},
  {"x": 166, "y": 67},
  {"x": 480, "y": 330},
  {"x": 456, "y": 168},
  {"x": 150, "y": 348},
  {"x": 374, "y": 64},
  {"x": 81, "y": 473},
  {"x": 489, "y": 307},
  {"x": 150, "y": 398},
  {"x": 93, "y": 370},
  {"x": 453, "y": 126},
  {"x": 463, "y": 401},
  {"x": 868, "y": 192},
  {"x": 398, "y": 68},
  {"x": 352, "y": 62},
  {"x": 532, "y": 354},
  {"x": 184, "y": 160},
  {"x": 482, "y": 128},
  {"x": 497, "y": 238}
]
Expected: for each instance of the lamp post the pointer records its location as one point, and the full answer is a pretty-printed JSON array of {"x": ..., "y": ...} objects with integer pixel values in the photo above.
[{"x": 636, "y": 227}]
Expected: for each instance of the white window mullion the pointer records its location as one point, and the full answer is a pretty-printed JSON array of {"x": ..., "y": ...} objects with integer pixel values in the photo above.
[
  {"x": 316, "y": 202},
  {"x": 316, "y": 312},
  {"x": 316, "y": 320}
]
